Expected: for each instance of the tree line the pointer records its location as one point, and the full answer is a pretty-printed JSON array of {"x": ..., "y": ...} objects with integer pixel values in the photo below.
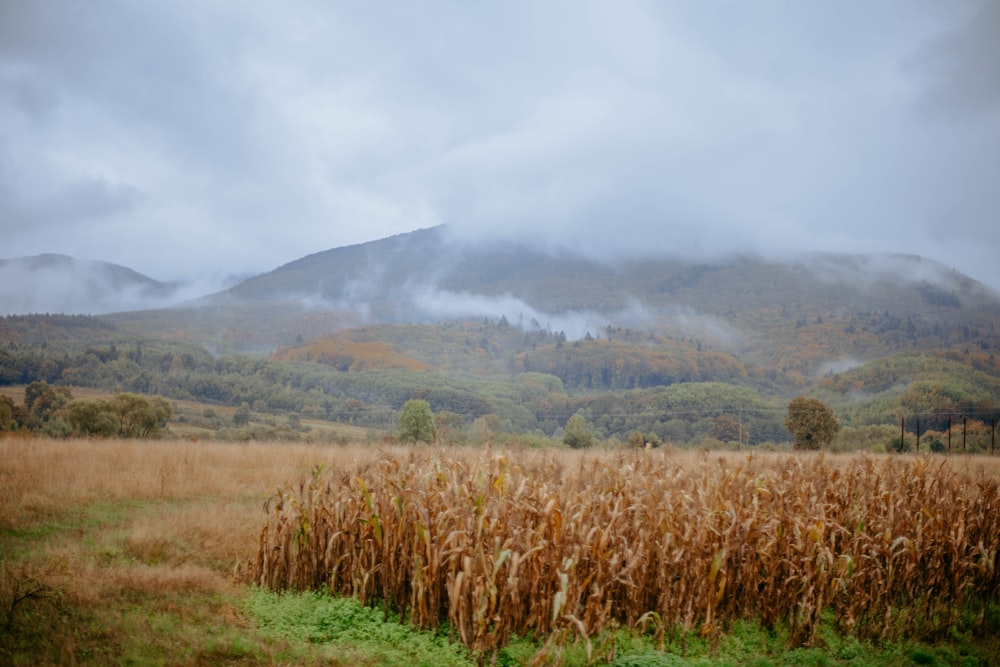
[
  {"x": 604, "y": 380},
  {"x": 524, "y": 402},
  {"x": 53, "y": 411}
]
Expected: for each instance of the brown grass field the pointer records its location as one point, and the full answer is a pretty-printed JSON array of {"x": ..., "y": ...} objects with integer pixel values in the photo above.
[
  {"x": 109, "y": 538},
  {"x": 137, "y": 551}
]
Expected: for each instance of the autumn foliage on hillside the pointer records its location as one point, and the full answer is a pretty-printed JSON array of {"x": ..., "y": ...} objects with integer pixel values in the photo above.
[
  {"x": 349, "y": 355},
  {"x": 602, "y": 364},
  {"x": 528, "y": 378}
]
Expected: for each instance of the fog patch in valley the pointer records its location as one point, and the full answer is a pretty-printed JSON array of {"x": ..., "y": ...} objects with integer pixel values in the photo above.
[
  {"x": 837, "y": 366},
  {"x": 689, "y": 322},
  {"x": 439, "y": 304}
]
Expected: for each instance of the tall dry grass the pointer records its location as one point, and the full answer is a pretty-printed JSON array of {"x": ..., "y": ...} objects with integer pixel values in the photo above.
[
  {"x": 528, "y": 542},
  {"x": 98, "y": 519},
  {"x": 114, "y": 551},
  {"x": 40, "y": 477}
]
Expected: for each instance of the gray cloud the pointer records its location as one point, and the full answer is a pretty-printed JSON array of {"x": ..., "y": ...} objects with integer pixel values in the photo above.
[
  {"x": 33, "y": 98},
  {"x": 961, "y": 67},
  {"x": 81, "y": 201},
  {"x": 234, "y": 137}
]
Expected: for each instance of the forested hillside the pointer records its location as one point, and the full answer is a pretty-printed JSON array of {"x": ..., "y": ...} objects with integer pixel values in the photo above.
[
  {"x": 881, "y": 302},
  {"x": 792, "y": 317},
  {"x": 506, "y": 339},
  {"x": 489, "y": 383}
]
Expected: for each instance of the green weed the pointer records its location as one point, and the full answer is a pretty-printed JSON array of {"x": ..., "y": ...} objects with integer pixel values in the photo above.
[{"x": 322, "y": 619}]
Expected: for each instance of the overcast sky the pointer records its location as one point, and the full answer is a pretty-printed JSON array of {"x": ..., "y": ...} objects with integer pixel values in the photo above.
[{"x": 199, "y": 137}]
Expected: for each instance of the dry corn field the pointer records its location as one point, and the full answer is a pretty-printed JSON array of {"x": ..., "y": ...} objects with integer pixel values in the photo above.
[{"x": 544, "y": 542}]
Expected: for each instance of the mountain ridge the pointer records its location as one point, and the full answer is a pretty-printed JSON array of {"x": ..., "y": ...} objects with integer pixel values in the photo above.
[
  {"x": 845, "y": 306},
  {"x": 341, "y": 275},
  {"x": 425, "y": 277},
  {"x": 398, "y": 260}
]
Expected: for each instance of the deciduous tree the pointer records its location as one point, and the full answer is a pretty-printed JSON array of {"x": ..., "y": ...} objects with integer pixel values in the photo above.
[
  {"x": 416, "y": 422},
  {"x": 90, "y": 418},
  {"x": 578, "y": 435},
  {"x": 811, "y": 423},
  {"x": 12, "y": 415},
  {"x": 43, "y": 400},
  {"x": 449, "y": 425}
]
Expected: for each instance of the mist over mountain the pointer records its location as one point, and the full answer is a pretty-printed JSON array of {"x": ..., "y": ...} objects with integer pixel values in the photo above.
[
  {"x": 428, "y": 275},
  {"x": 752, "y": 307},
  {"x": 54, "y": 283}
]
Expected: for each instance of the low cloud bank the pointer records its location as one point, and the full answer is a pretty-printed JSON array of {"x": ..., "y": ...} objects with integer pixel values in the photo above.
[
  {"x": 87, "y": 288},
  {"x": 576, "y": 324}
]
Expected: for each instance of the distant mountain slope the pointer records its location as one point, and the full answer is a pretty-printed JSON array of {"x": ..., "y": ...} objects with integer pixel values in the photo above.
[
  {"x": 257, "y": 327},
  {"x": 817, "y": 308},
  {"x": 62, "y": 284},
  {"x": 392, "y": 270}
]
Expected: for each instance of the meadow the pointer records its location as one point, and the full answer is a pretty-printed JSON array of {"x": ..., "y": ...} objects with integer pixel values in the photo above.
[{"x": 170, "y": 552}]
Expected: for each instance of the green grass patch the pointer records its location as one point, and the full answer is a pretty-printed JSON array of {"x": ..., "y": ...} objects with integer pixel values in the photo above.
[
  {"x": 319, "y": 618},
  {"x": 748, "y": 644},
  {"x": 360, "y": 635}
]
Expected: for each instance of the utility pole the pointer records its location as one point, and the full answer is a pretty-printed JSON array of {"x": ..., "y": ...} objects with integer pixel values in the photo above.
[{"x": 739, "y": 444}]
